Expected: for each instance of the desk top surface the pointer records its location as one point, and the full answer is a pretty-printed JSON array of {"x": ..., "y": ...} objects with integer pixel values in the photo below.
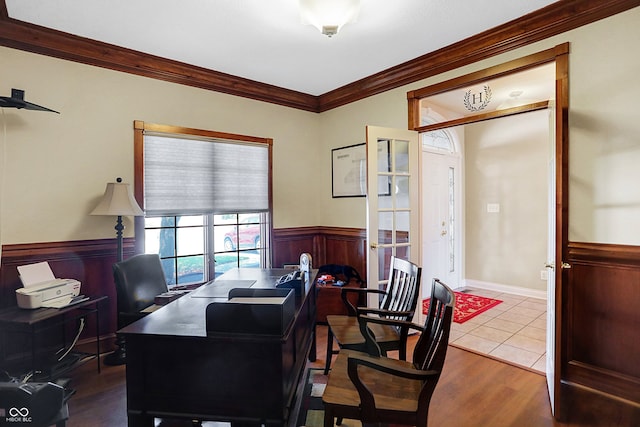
[
  {"x": 17, "y": 315},
  {"x": 186, "y": 315}
]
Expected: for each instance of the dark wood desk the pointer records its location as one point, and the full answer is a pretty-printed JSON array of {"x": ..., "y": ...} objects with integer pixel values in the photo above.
[
  {"x": 174, "y": 370},
  {"x": 38, "y": 321}
]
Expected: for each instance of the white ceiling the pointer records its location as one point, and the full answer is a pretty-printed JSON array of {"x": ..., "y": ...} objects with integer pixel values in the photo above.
[{"x": 265, "y": 41}]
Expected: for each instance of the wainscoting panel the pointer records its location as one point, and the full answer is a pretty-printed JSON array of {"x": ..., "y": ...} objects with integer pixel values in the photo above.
[
  {"x": 602, "y": 319},
  {"x": 327, "y": 245},
  {"x": 289, "y": 243},
  {"x": 346, "y": 246},
  {"x": 88, "y": 261}
]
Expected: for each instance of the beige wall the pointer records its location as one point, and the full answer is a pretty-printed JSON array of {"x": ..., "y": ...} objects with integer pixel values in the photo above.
[
  {"x": 506, "y": 163},
  {"x": 603, "y": 128},
  {"x": 55, "y": 167},
  {"x": 605, "y": 132}
]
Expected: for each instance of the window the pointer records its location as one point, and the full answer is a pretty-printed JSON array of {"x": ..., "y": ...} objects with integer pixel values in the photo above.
[
  {"x": 437, "y": 140},
  {"x": 207, "y": 201}
]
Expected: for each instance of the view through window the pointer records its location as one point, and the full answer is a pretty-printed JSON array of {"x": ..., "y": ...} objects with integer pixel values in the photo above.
[{"x": 181, "y": 242}]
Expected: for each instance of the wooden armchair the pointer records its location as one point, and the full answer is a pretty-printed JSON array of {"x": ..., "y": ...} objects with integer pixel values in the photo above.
[
  {"x": 398, "y": 301},
  {"x": 375, "y": 389}
]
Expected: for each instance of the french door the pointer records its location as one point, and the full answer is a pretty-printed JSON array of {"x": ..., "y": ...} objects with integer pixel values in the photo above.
[{"x": 393, "y": 195}]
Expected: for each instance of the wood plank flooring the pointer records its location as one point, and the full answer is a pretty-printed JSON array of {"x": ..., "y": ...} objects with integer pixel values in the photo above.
[{"x": 473, "y": 391}]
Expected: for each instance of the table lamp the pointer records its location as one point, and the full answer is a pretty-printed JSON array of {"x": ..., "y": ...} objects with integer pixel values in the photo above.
[{"x": 118, "y": 200}]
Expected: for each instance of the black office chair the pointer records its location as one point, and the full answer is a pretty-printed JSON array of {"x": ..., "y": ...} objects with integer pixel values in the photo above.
[{"x": 139, "y": 280}]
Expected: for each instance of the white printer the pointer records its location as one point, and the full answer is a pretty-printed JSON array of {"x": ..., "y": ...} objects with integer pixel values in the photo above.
[{"x": 43, "y": 289}]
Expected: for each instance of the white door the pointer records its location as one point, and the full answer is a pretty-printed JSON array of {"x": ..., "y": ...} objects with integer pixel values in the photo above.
[
  {"x": 393, "y": 191},
  {"x": 441, "y": 213}
]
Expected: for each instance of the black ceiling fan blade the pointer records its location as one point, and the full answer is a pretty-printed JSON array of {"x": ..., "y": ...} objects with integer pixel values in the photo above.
[{"x": 16, "y": 100}]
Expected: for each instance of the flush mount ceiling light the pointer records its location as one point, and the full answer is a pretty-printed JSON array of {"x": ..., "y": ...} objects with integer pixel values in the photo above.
[
  {"x": 329, "y": 16},
  {"x": 514, "y": 100}
]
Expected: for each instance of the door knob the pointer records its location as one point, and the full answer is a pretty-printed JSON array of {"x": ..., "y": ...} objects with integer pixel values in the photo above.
[{"x": 566, "y": 266}]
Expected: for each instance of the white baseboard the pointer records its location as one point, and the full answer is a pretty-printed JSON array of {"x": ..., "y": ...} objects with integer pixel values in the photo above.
[{"x": 516, "y": 290}]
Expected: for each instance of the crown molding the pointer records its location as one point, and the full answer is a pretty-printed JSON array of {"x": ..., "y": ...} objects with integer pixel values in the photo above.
[
  {"x": 554, "y": 19},
  {"x": 34, "y": 38}
]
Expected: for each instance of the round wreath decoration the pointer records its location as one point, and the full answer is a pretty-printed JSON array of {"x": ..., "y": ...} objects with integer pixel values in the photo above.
[{"x": 471, "y": 107}]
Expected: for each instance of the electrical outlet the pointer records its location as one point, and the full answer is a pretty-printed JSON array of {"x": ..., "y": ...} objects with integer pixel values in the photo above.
[{"x": 493, "y": 207}]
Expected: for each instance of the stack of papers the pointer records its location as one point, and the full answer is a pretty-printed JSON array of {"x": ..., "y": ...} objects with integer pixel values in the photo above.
[{"x": 36, "y": 274}]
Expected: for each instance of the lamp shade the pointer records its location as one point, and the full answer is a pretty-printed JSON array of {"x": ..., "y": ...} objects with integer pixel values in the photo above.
[{"x": 117, "y": 200}]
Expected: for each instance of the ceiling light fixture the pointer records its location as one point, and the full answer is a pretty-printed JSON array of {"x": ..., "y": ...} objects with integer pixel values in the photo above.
[
  {"x": 514, "y": 101},
  {"x": 329, "y": 16}
]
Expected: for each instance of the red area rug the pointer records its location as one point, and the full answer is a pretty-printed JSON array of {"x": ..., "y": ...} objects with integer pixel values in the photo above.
[{"x": 467, "y": 307}]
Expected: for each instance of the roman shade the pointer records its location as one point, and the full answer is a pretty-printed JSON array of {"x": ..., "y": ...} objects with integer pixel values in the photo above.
[{"x": 184, "y": 176}]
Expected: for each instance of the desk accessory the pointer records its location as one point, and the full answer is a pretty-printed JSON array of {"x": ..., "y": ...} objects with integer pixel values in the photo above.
[
  {"x": 252, "y": 311},
  {"x": 42, "y": 289}
]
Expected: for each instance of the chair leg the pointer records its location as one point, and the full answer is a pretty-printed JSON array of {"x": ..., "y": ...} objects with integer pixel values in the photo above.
[
  {"x": 119, "y": 356},
  {"x": 328, "y": 417},
  {"x": 327, "y": 363},
  {"x": 402, "y": 351}
]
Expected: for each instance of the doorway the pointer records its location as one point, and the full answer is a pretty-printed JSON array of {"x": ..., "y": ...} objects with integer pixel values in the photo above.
[
  {"x": 499, "y": 214},
  {"x": 476, "y": 91}
]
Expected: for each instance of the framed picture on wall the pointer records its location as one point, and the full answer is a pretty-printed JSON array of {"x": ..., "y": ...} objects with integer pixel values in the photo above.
[
  {"x": 384, "y": 165},
  {"x": 349, "y": 171}
]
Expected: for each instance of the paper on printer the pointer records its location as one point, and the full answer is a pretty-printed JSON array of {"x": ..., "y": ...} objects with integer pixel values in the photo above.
[{"x": 42, "y": 289}]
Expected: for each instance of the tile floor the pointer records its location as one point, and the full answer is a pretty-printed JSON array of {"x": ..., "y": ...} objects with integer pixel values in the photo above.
[{"x": 514, "y": 330}]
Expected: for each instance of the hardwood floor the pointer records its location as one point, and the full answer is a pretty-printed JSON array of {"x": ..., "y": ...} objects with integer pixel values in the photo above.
[{"x": 473, "y": 391}]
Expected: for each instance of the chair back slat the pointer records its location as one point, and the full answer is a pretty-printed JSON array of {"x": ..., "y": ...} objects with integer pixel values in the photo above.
[
  {"x": 431, "y": 348},
  {"x": 402, "y": 288}
]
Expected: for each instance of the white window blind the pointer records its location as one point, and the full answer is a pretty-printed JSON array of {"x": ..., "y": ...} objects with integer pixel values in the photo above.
[{"x": 197, "y": 176}]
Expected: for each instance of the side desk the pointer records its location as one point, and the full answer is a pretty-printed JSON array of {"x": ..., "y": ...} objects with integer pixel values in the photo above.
[
  {"x": 37, "y": 321},
  {"x": 176, "y": 369},
  {"x": 330, "y": 300}
]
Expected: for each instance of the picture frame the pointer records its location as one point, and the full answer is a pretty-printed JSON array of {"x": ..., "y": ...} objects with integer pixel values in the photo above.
[
  {"x": 349, "y": 171},
  {"x": 384, "y": 164}
]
